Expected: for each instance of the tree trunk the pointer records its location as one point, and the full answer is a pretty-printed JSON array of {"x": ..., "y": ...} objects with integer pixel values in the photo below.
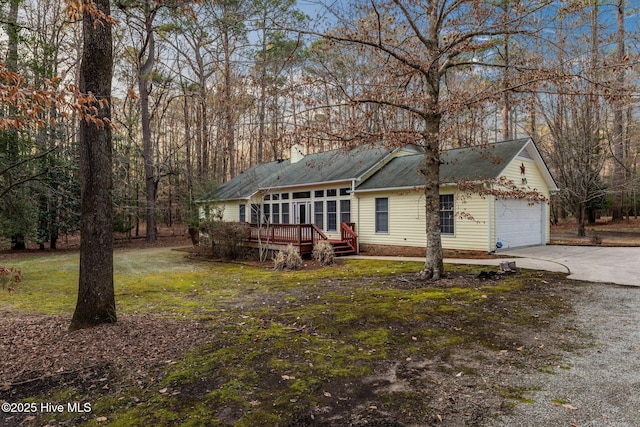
[
  {"x": 96, "y": 300},
  {"x": 187, "y": 144},
  {"x": 147, "y": 154},
  {"x": 433, "y": 266},
  {"x": 582, "y": 213},
  {"x": 12, "y": 28},
  {"x": 228, "y": 131},
  {"x": 506, "y": 95},
  {"x": 263, "y": 95},
  {"x": 147, "y": 147},
  {"x": 204, "y": 133},
  {"x": 618, "y": 125}
]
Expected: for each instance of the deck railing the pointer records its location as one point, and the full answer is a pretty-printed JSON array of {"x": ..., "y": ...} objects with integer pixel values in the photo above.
[
  {"x": 303, "y": 236},
  {"x": 296, "y": 234}
]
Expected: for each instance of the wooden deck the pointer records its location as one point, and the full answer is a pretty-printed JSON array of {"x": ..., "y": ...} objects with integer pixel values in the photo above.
[{"x": 302, "y": 236}]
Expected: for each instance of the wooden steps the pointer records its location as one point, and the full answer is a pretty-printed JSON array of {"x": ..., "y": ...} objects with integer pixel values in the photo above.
[{"x": 341, "y": 248}]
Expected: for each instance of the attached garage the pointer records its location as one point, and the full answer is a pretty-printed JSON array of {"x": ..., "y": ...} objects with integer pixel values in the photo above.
[
  {"x": 518, "y": 223},
  {"x": 497, "y": 199}
]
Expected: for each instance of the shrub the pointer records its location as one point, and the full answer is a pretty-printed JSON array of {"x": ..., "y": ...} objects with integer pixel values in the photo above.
[
  {"x": 121, "y": 224},
  {"x": 225, "y": 237},
  {"x": 9, "y": 277},
  {"x": 287, "y": 259},
  {"x": 323, "y": 253}
]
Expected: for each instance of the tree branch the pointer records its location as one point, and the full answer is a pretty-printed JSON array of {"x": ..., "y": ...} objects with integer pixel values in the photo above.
[{"x": 23, "y": 161}]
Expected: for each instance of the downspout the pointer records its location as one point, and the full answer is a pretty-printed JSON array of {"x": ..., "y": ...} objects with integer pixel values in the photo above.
[
  {"x": 489, "y": 221},
  {"x": 353, "y": 194}
]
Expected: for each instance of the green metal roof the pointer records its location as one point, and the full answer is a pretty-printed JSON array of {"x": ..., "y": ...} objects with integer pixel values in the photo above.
[
  {"x": 461, "y": 164},
  {"x": 329, "y": 166},
  {"x": 247, "y": 183}
]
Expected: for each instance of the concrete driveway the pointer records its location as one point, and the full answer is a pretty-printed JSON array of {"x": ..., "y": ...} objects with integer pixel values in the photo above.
[{"x": 590, "y": 263}]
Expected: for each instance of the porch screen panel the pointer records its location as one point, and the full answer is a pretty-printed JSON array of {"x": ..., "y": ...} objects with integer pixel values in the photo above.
[
  {"x": 285, "y": 213},
  {"x": 255, "y": 213},
  {"x": 318, "y": 213},
  {"x": 267, "y": 212},
  {"x": 345, "y": 210},
  {"x": 332, "y": 224},
  {"x": 275, "y": 213}
]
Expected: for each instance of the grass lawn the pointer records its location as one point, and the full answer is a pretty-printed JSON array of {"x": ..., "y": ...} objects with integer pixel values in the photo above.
[{"x": 357, "y": 343}]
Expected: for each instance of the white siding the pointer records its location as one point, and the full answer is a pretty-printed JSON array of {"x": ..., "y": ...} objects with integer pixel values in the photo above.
[
  {"x": 406, "y": 219},
  {"x": 232, "y": 210},
  {"x": 472, "y": 228},
  {"x": 407, "y": 226}
]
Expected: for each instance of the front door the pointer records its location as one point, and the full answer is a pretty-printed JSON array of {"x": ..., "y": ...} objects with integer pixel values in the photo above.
[{"x": 302, "y": 212}]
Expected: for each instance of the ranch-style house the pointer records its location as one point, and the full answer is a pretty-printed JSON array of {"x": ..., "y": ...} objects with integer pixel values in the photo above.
[{"x": 373, "y": 195}]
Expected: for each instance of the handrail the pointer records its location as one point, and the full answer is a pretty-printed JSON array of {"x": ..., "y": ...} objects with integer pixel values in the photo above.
[
  {"x": 318, "y": 232},
  {"x": 348, "y": 234}
]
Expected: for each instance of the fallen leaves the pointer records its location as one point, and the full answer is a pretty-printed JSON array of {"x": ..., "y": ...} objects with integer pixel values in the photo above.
[
  {"x": 565, "y": 405},
  {"x": 37, "y": 348}
]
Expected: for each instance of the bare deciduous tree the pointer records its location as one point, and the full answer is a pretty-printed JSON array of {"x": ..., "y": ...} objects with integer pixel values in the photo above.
[{"x": 416, "y": 45}]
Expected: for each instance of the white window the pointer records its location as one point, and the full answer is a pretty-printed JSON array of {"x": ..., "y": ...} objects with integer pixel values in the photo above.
[
  {"x": 382, "y": 215},
  {"x": 447, "y": 214}
]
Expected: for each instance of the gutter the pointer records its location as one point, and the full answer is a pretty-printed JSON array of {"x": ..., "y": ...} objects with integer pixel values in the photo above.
[
  {"x": 304, "y": 185},
  {"x": 415, "y": 187},
  {"x": 372, "y": 190},
  {"x": 489, "y": 222},
  {"x": 353, "y": 194}
]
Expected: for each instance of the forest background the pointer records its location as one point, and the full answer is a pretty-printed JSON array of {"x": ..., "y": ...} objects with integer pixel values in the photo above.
[{"x": 201, "y": 93}]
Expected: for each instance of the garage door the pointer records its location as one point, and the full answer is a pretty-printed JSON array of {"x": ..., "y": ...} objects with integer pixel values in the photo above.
[{"x": 519, "y": 224}]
